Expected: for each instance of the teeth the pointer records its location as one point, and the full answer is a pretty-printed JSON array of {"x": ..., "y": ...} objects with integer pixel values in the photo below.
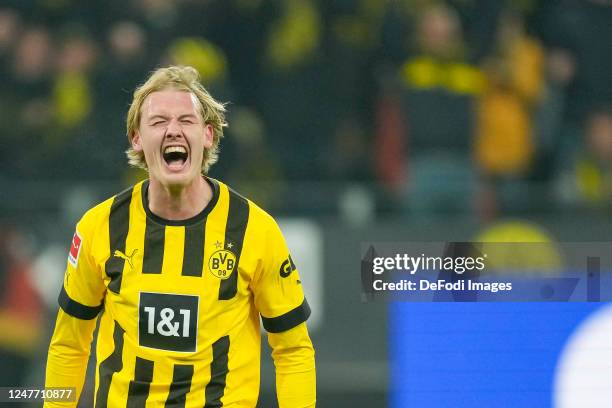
[{"x": 175, "y": 149}]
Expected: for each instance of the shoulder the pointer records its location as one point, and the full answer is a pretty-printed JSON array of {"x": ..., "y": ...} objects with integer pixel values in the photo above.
[
  {"x": 99, "y": 214},
  {"x": 257, "y": 216}
]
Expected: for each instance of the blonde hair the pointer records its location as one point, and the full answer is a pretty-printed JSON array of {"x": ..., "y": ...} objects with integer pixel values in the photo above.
[{"x": 182, "y": 78}]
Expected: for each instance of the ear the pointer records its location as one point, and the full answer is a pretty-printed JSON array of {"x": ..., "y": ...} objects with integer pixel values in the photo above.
[
  {"x": 136, "y": 144},
  {"x": 208, "y": 136}
]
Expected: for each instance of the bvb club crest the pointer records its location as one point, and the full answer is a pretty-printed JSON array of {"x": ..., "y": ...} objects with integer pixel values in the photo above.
[{"x": 222, "y": 263}]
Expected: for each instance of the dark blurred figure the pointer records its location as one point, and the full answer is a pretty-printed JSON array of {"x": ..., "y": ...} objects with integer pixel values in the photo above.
[
  {"x": 31, "y": 65},
  {"x": 10, "y": 25},
  {"x": 582, "y": 29},
  {"x": 126, "y": 60},
  {"x": 244, "y": 48},
  {"x": 73, "y": 139},
  {"x": 161, "y": 19},
  {"x": 72, "y": 89},
  {"x": 352, "y": 44},
  {"x": 352, "y": 49},
  {"x": 439, "y": 88},
  {"x": 586, "y": 180},
  {"x": 127, "y": 46},
  {"x": 252, "y": 167},
  {"x": 293, "y": 89},
  {"x": 348, "y": 156},
  {"x": 578, "y": 36},
  {"x": 25, "y": 100}
]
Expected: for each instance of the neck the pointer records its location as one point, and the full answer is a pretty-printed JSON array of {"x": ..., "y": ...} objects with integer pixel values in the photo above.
[{"x": 179, "y": 202}]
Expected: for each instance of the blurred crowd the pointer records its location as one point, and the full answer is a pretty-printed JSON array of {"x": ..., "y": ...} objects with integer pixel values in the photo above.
[
  {"x": 415, "y": 108},
  {"x": 471, "y": 106}
]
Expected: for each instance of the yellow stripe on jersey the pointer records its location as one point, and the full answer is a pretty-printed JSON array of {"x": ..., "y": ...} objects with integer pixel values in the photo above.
[{"x": 181, "y": 300}]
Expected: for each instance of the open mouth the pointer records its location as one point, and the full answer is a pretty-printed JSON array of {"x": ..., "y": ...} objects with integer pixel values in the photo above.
[{"x": 175, "y": 157}]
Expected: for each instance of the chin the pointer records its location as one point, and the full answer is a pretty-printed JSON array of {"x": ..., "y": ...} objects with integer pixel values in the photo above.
[{"x": 178, "y": 179}]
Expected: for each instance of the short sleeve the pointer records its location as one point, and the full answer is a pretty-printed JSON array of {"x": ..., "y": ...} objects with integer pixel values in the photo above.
[
  {"x": 279, "y": 296},
  {"x": 83, "y": 290}
]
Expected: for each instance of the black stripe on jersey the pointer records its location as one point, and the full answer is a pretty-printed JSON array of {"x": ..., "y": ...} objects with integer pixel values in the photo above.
[
  {"x": 218, "y": 371},
  {"x": 76, "y": 309},
  {"x": 139, "y": 386},
  {"x": 193, "y": 257},
  {"x": 181, "y": 384},
  {"x": 237, "y": 219},
  {"x": 108, "y": 367},
  {"x": 118, "y": 224},
  {"x": 287, "y": 321},
  {"x": 153, "y": 256}
]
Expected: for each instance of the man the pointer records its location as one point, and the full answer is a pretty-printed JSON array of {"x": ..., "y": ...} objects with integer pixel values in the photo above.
[{"x": 181, "y": 268}]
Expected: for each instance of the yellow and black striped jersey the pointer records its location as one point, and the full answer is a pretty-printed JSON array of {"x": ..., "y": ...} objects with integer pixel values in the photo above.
[{"x": 181, "y": 300}]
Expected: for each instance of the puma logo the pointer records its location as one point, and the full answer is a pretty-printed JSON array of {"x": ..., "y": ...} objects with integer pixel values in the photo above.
[{"x": 120, "y": 254}]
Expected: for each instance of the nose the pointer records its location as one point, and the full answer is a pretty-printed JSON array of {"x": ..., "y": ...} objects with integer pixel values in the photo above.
[{"x": 174, "y": 128}]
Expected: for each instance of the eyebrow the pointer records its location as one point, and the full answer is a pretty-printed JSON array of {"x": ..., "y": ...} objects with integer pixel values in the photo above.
[
  {"x": 188, "y": 115},
  {"x": 158, "y": 116},
  {"x": 165, "y": 117}
]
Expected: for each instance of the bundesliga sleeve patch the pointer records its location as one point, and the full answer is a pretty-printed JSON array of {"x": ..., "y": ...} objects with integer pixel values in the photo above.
[{"x": 75, "y": 249}]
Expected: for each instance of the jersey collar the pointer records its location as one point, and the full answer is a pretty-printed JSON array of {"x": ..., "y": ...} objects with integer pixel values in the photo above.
[{"x": 189, "y": 221}]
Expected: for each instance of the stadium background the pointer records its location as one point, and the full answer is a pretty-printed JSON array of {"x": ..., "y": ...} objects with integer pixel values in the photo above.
[{"x": 350, "y": 121}]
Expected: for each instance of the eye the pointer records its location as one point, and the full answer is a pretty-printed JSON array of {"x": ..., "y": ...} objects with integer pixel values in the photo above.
[
  {"x": 158, "y": 122},
  {"x": 187, "y": 121}
]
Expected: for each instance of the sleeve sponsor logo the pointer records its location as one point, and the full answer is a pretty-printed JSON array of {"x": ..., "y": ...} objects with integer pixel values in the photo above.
[
  {"x": 287, "y": 267},
  {"x": 75, "y": 249}
]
